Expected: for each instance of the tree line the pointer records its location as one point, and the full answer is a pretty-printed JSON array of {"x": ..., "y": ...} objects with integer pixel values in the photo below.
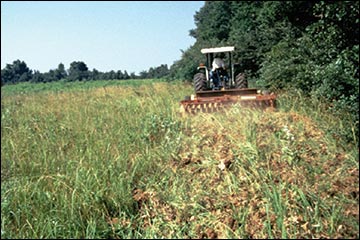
[{"x": 18, "y": 72}]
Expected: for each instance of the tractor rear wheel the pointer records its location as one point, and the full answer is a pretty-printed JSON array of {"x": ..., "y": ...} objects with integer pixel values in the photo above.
[
  {"x": 241, "y": 81},
  {"x": 199, "y": 82}
]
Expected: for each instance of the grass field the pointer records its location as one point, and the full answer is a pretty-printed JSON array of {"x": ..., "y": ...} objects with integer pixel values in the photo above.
[{"x": 90, "y": 160}]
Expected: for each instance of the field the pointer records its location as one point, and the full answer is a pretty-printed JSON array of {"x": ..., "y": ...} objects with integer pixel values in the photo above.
[{"x": 116, "y": 160}]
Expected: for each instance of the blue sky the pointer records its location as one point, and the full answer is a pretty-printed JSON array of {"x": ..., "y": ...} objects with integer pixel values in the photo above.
[{"x": 106, "y": 35}]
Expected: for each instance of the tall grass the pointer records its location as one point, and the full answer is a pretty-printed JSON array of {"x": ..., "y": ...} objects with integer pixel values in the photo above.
[{"x": 120, "y": 162}]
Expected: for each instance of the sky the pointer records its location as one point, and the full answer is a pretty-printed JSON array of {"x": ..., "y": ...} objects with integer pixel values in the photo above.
[{"x": 105, "y": 35}]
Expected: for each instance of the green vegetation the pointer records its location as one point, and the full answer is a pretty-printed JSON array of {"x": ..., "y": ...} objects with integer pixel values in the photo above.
[
  {"x": 65, "y": 86},
  {"x": 115, "y": 159},
  {"x": 308, "y": 46},
  {"x": 120, "y": 162}
]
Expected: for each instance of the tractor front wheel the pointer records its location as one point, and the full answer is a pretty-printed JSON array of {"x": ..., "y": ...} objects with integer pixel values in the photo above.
[
  {"x": 241, "y": 81},
  {"x": 199, "y": 82}
]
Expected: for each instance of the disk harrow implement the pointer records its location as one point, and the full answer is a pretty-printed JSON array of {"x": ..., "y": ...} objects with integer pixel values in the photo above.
[{"x": 212, "y": 101}]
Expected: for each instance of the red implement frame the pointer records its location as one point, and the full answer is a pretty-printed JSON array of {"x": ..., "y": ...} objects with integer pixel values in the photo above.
[{"x": 211, "y": 101}]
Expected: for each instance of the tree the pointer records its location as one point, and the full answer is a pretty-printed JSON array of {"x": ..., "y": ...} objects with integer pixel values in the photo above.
[
  {"x": 143, "y": 74},
  {"x": 161, "y": 71},
  {"x": 323, "y": 62},
  {"x": 60, "y": 72},
  {"x": 50, "y": 76},
  {"x": 37, "y": 77},
  {"x": 112, "y": 75},
  {"x": 78, "y": 71},
  {"x": 212, "y": 21},
  {"x": 94, "y": 75},
  {"x": 126, "y": 75},
  {"x": 119, "y": 75},
  {"x": 132, "y": 75},
  {"x": 15, "y": 73},
  {"x": 7, "y": 75}
]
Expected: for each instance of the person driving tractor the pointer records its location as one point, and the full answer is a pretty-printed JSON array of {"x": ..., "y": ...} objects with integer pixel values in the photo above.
[{"x": 218, "y": 71}]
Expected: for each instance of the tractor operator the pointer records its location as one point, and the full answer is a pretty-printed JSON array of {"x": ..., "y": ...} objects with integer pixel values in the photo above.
[
  {"x": 218, "y": 68},
  {"x": 218, "y": 63}
]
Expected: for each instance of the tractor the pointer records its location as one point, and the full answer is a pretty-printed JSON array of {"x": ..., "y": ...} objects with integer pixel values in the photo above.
[
  {"x": 215, "y": 86},
  {"x": 217, "y": 77}
]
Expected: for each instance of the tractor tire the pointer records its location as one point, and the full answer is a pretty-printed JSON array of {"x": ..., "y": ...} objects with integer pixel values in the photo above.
[
  {"x": 241, "y": 81},
  {"x": 199, "y": 82}
]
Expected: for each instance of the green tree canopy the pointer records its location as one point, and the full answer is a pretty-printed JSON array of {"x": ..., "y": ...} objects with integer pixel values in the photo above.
[
  {"x": 78, "y": 71},
  {"x": 16, "y": 72}
]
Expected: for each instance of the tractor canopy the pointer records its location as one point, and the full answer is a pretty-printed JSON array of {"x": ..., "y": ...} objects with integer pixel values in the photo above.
[{"x": 217, "y": 50}]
